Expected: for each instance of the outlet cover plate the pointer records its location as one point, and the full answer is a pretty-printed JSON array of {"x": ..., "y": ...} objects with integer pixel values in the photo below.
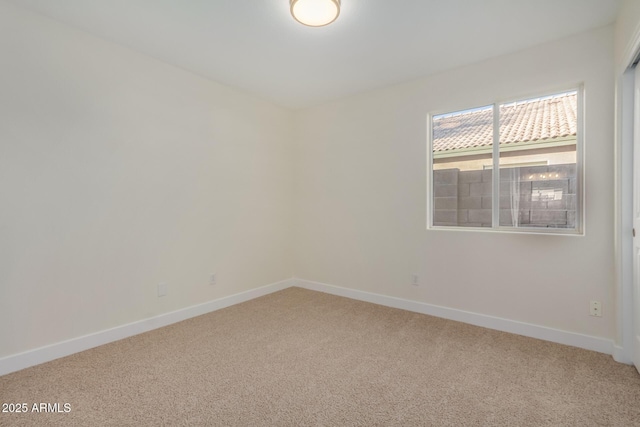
[
  {"x": 162, "y": 289},
  {"x": 595, "y": 309}
]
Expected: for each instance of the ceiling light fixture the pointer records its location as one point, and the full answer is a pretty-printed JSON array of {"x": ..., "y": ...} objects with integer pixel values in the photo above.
[{"x": 315, "y": 13}]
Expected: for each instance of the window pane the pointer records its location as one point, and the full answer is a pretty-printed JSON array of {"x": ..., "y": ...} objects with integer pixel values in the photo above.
[
  {"x": 462, "y": 172},
  {"x": 538, "y": 174}
]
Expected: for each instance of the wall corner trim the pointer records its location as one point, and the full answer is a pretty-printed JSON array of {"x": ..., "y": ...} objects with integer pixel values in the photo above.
[
  {"x": 601, "y": 345},
  {"x": 630, "y": 50},
  {"x": 620, "y": 355},
  {"x": 16, "y": 362}
]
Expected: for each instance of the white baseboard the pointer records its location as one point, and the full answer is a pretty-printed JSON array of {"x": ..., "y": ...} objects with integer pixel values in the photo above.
[
  {"x": 587, "y": 342},
  {"x": 40, "y": 355},
  {"x": 621, "y": 355},
  {"x": 29, "y": 358}
]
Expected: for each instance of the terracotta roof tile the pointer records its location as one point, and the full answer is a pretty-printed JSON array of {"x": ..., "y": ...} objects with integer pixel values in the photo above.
[{"x": 535, "y": 120}]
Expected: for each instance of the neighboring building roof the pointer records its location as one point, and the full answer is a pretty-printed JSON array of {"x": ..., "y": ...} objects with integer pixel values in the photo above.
[{"x": 527, "y": 121}]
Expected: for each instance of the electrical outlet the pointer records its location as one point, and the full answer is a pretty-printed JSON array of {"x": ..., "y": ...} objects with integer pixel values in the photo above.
[
  {"x": 212, "y": 279},
  {"x": 162, "y": 289},
  {"x": 415, "y": 280},
  {"x": 595, "y": 309}
]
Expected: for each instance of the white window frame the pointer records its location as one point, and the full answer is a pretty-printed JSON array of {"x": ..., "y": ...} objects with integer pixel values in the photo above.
[{"x": 495, "y": 195}]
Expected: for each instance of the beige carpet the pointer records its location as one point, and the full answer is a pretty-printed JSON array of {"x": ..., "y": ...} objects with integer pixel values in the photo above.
[{"x": 299, "y": 357}]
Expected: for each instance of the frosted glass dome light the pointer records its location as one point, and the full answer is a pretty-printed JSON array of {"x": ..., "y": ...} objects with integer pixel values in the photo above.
[{"x": 315, "y": 13}]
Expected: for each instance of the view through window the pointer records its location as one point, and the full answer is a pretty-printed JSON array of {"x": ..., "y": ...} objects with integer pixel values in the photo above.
[{"x": 530, "y": 180}]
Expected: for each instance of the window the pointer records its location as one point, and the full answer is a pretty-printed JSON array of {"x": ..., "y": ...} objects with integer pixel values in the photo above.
[{"x": 529, "y": 181}]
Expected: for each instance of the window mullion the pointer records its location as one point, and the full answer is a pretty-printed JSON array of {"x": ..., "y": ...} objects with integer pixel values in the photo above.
[{"x": 495, "y": 188}]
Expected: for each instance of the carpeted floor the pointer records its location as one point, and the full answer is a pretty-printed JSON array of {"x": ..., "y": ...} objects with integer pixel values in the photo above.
[{"x": 299, "y": 357}]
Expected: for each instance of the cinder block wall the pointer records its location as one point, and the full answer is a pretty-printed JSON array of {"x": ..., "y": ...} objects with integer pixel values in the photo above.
[{"x": 535, "y": 196}]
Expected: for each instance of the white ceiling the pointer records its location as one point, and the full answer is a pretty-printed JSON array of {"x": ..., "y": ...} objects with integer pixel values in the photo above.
[{"x": 256, "y": 45}]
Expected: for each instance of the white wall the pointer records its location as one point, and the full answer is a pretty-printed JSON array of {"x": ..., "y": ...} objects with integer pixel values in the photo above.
[
  {"x": 118, "y": 172},
  {"x": 360, "y": 196}
]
